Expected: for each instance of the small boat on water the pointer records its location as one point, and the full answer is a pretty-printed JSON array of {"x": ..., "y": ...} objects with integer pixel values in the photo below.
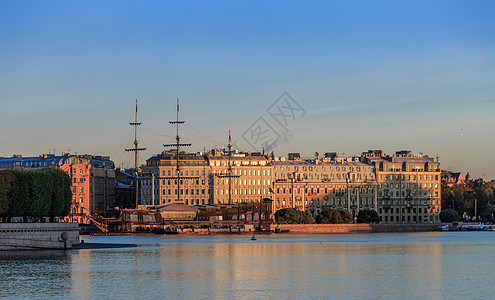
[
  {"x": 467, "y": 227},
  {"x": 253, "y": 238},
  {"x": 489, "y": 228},
  {"x": 449, "y": 228},
  {"x": 471, "y": 227}
]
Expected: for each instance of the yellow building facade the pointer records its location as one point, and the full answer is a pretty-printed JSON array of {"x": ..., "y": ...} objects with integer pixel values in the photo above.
[{"x": 401, "y": 188}]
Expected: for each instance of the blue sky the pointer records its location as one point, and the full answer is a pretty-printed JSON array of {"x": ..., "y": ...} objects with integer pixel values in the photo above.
[{"x": 391, "y": 75}]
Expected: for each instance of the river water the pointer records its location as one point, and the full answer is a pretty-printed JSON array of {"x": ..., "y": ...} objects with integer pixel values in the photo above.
[{"x": 438, "y": 265}]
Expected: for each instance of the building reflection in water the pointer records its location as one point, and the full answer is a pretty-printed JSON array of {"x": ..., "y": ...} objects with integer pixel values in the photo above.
[
  {"x": 27, "y": 274},
  {"x": 371, "y": 266},
  {"x": 82, "y": 278},
  {"x": 233, "y": 269}
]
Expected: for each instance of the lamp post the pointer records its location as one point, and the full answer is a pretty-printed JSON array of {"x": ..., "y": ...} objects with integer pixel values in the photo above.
[
  {"x": 452, "y": 193},
  {"x": 476, "y": 209}
]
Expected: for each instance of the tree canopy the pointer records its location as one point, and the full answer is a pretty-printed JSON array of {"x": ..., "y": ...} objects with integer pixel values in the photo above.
[
  {"x": 35, "y": 193},
  {"x": 461, "y": 198},
  {"x": 334, "y": 216},
  {"x": 449, "y": 215},
  {"x": 61, "y": 193},
  {"x": 368, "y": 216},
  {"x": 6, "y": 179},
  {"x": 19, "y": 195},
  {"x": 292, "y": 215}
]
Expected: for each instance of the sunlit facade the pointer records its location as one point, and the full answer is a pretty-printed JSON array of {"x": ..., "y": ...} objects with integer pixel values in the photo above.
[
  {"x": 211, "y": 178},
  {"x": 316, "y": 184},
  {"x": 409, "y": 187},
  {"x": 401, "y": 188}
]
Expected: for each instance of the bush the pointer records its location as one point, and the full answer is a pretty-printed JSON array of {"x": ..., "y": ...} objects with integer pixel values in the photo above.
[
  {"x": 292, "y": 215},
  {"x": 334, "y": 216},
  {"x": 368, "y": 216},
  {"x": 449, "y": 215}
]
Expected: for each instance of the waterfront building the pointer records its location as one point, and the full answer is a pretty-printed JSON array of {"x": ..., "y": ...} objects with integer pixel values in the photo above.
[
  {"x": 211, "y": 178},
  {"x": 102, "y": 184},
  {"x": 240, "y": 177},
  {"x": 258, "y": 213},
  {"x": 401, "y": 188},
  {"x": 452, "y": 178},
  {"x": 330, "y": 182},
  {"x": 408, "y": 186},
  {"x": 92, "y": 180},
  {"x": 125, "y": 193},
  {"x": 161, "y": 183},
  {"x": 178, "y": 216}
]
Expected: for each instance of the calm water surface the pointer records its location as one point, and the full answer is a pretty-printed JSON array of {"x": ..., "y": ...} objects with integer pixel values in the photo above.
[{"x": 442, "y": 265}]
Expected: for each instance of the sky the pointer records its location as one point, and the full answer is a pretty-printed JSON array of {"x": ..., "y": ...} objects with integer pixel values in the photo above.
[{"x": 292, "y": 76}]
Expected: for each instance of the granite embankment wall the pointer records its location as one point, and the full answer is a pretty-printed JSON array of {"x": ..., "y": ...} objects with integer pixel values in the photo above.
[
  {"x": 29, "y": 236},
  {"x": 323, "y": 228},
  {"x": 352, "y": 228},
  {"x": 404, "y": 227}
]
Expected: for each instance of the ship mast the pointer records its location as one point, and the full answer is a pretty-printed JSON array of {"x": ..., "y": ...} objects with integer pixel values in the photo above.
[
  {"x": 229, "y": 170},
  {"x": 177, "y": 149},
  {"x": 135, "y": 150}
]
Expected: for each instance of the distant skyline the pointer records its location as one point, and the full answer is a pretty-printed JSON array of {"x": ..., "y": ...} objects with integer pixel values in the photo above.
[{"x": 390, "y": 75}]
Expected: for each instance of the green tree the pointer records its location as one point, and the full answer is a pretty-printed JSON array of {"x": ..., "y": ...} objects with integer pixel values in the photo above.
[
  {"x": 368, "y": 216},
  {"x": 334, "y": 216},
  {"x": 40, "y": 193},
  {"x": 484, "y": 196},
  {"x": 6, "y": 179},
  {"x": 61, "y": 196},
  {"x": 447, "y": 196},
  {"x": 449, "y": 215},
  {"x": 19, "y": 194},
  {"x": 488, "y": 214},
  {"x": 292, "y": 215}
]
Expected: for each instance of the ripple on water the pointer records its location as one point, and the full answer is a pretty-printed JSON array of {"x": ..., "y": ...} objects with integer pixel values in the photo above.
[{"x": 366, "y": 266}]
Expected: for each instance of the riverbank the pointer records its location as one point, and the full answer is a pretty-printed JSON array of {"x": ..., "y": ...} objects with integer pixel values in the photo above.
[
  {"x": 294, "y": 229},
  {"x": 32, "y": 236},
  {"x": 351, "y": 228}
]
